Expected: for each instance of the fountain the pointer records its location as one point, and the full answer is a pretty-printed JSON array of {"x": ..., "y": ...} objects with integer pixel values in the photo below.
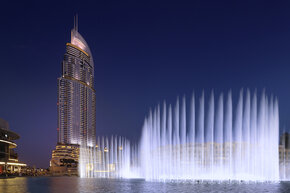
[
  {"x": 217, "y": 144},
  {"x": 110, "y": 158},
  {"x": 218, "y": 141}
]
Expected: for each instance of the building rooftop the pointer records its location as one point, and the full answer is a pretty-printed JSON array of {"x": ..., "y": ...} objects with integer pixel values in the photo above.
[{"x": 5, "y": 132}]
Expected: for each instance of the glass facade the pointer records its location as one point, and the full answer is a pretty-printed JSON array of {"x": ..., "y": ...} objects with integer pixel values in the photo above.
[{"x": 76, "y": 95}]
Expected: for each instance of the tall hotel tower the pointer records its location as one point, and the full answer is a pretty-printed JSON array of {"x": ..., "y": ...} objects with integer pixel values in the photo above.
[{"x": 76, "y": 105}]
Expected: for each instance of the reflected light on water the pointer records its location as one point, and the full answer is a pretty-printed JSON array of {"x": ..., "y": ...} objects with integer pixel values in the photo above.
[
  {"x": 15, "y": 185},
  {"x": 75, "y": 184}
]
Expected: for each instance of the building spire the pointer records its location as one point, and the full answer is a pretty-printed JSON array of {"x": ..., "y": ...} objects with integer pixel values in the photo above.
[{"x": 76, "y": 22}]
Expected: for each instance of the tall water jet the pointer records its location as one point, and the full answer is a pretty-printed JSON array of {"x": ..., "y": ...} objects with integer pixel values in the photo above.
[
  {"x": 111, "y": 158},
  {"x": 230, "y": 143},
  {"x": 194, "y": 140}
]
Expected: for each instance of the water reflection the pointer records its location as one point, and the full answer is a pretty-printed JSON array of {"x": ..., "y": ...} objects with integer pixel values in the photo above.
[
  {"x": 16, "y": 185},
  {"x": 75, "y": 185}
]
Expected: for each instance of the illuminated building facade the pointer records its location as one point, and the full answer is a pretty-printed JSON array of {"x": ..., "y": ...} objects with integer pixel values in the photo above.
[
  {"x": 9, "y": 163},
  {"x": 76, "y": 94},
  {"x": 76, "y": 106},
  {"x": 65, "y": 159}
]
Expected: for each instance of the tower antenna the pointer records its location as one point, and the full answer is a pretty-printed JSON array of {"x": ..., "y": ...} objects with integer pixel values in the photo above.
[
  {"x": 74, "y": 22},
  {"x": 77, "y": 22}
]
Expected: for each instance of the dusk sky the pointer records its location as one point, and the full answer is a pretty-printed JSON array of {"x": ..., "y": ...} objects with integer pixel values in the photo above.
[{"x": 144, "y": 52}]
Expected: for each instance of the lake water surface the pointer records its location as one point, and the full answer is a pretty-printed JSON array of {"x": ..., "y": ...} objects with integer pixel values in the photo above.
[{"x": 75, "y": 184}]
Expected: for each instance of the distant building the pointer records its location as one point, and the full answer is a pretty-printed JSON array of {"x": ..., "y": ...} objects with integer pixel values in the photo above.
[
  {"x": 284, "y": 156},
  {"x": 76, "y": 104},
  {"x": 9, "y": 163},
  {"x": 285, "y": 140}
]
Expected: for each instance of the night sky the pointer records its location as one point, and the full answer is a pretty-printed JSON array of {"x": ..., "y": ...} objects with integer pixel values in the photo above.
[{"x": 144, "y": 52}]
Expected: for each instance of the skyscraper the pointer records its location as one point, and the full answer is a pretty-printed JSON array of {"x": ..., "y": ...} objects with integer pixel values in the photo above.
[{"x": 76, "y": 105}]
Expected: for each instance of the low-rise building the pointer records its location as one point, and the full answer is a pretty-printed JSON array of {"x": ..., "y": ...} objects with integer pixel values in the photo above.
[
  {"x": 9, "y": 163},
  {"x": 64, "y": 160}
]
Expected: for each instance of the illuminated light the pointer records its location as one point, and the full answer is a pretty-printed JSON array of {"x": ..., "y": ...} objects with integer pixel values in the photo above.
[
  {"x": 4, "y": 141},
  {"x": 120, "y": 148},
  {"x": 97, "y": 146},
  {"x": 112, "y": 167},
  {"x": 13, "y": 164},
  {"x": 90, "y": 167},
  {"x": 13, "y": 159},
  {"x": 106, "y": 149},
  {"x": 72, "y": 45},
  {"x": 102, "y": 171},
  {"x": 70, "y": 78},
  {"x": 77, "y": 42}
]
